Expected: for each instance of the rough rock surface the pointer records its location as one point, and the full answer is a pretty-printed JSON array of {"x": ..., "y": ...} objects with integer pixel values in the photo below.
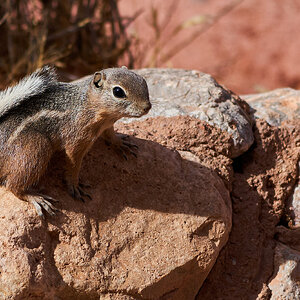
[
  {"x": 153, "y": 230},
  {"x": 276, "y": 106},
  {"x": 194, "y": 139},
  {"x": 179, "y": 92},
  {"x": 281, "y": 107},
  {"x": 264, "y": 178},
  {"x": 285, "y": 282},
  {"x": 293, "y": 203}
]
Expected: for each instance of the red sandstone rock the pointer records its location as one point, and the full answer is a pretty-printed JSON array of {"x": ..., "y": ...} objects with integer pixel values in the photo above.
[
  {"x": 264, "y": 177},
  {"x": 153, "y": 230},
  {"x": 157, "y": 223}
]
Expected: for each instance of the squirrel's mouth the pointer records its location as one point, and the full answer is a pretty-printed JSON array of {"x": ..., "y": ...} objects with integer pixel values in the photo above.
[
  {"x": 139, "y": 112},
  {"x": 145, "y": 109}
]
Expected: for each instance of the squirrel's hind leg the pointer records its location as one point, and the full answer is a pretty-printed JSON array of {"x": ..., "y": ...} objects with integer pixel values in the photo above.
[{"x": 30, "y": 155}]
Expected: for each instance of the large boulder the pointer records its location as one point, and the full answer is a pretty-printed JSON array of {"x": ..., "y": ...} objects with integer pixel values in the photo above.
[{"x": 153, "y": 230}]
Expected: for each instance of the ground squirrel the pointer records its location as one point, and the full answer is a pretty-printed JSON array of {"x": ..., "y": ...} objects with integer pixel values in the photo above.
[{"x": 40, "y": 116}]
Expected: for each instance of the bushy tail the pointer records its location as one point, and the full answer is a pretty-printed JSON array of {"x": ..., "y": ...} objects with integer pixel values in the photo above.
[{"x": 31, "y": 85}]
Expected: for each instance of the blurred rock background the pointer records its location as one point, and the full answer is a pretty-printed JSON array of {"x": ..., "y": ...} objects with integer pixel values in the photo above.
[{"x": 247, "y": 45}]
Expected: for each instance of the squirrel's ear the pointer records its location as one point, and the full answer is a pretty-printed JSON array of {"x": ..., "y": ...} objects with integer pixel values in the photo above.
[{"x": 98, "y": 79}]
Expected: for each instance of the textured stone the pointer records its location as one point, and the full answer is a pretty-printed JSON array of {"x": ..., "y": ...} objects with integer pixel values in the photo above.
[
  {"x": 192, "y": 93},
  {"x": 264, "y": 178},
  {"x": 281, "y": 107},
  {"x": 153, "y": 230},
  {"x": 194, "y": 139},
  {"x": 276, "y": 106},
  {"x": 293, "y": 204},
  {"x": 285, "y": 283}
]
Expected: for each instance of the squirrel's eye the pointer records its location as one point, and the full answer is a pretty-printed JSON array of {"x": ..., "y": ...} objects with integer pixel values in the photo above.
[{"x": 118, "y": 92}]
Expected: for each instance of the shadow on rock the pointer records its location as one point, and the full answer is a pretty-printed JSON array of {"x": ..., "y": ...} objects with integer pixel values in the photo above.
[
  {"x": 154, "y": 229},
  {"x": 158, "y": 179}
]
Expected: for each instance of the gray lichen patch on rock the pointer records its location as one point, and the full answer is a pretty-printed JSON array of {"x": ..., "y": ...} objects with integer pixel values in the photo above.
[
  {"x": 284, "y": 283},
  {"x": 276, "y": 106},
  {"x": 179, "y": 92}
]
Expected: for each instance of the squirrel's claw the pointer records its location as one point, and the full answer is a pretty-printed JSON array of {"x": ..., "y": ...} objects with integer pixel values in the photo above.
[
  {"x": 84, "y": 185},
  {"x": 121, "y": 144},
  {"x": 127, "y": 143},
  {"x": 83, "y": 193},
  {"x": 46, "y": 197},
  {"x": 130, "y": 145},
  {"x": 41, "y": 202},
  {"x": 126, "y": 146},
  {"x": 78, "y": 193}
]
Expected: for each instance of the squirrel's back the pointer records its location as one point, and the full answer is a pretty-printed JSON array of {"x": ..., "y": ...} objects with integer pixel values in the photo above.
[
  {"x": 31, "y": 86},
  {"x": 37, "y": 101}
]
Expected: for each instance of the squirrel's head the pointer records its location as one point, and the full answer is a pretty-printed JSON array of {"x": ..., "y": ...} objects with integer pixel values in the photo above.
[{"x": 120, "y": 92}]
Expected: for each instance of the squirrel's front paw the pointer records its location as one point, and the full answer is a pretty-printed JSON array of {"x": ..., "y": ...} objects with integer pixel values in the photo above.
[
  {"x": 77, "y": 193},
  {"x": 123, "y": 146}
]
